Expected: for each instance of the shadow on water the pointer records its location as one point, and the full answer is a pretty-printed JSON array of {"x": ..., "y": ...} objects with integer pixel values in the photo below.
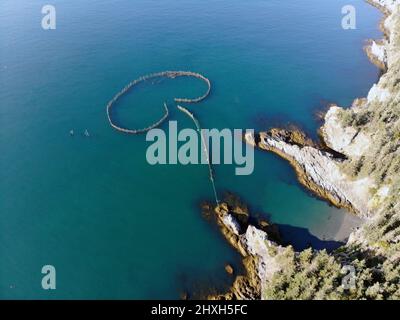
[{"x": 301, "y": 238}]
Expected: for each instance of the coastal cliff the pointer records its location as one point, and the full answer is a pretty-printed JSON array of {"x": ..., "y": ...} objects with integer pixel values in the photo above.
[{"x": 355, "y": 166}]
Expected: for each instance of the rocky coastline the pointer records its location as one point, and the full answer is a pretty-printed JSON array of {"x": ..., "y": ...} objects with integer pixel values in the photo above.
[
  {"x": 254, "y": 241},
  {"x": 347, "y": 169}
]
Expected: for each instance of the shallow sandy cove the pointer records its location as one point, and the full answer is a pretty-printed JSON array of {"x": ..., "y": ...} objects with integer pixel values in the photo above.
[{"x": 339, "y": 227}]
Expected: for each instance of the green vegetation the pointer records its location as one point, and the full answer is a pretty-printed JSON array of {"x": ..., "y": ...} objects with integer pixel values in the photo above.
[{"x": 319, "y": 275}]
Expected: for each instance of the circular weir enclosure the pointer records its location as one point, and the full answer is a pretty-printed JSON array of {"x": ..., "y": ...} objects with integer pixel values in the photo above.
[{"x": 165, "y": 74}]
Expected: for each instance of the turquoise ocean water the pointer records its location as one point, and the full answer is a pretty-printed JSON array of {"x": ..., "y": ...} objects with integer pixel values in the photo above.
[{"x": 111, "y": 224}]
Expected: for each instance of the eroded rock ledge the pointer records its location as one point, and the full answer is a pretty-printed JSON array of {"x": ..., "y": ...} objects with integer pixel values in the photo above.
[
  {"x": 256, "y": 244},
  {"x": 317, "y": 169}
]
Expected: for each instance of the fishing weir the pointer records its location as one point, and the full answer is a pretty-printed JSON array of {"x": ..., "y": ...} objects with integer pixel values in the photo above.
[
  {"x": 164, "y": 74},
  {"x": 171, "y": 75}
]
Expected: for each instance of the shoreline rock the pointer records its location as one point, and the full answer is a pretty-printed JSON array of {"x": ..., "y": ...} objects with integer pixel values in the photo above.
[
  {"x": 258, "y": 251},
  {"x": 318, "y": 170},
  {"x": 229, "y": 269}
]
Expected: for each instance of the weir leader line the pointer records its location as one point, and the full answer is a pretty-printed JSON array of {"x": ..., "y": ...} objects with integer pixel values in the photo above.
[
  {"x": 172, "y": 75},
  {"x": 210, "y": 169}
]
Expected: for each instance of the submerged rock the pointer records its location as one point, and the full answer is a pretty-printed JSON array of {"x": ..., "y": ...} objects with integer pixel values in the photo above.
[{"x": 229, "y": 269}]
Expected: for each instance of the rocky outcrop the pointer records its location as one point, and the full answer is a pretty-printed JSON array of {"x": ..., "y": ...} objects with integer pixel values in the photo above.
[
  {"x": 259, "y": 252},
  {"x": 387, "y": 6},
  {"x": 346, "y": 140},
  {"x": 376, "y": 51},
  {"x": 317, "y": 169}
]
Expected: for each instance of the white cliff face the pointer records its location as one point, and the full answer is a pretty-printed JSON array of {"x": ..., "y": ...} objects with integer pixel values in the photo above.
[
  {"x": 388, "y": 4},
  {"x": 379, "y": 94},
  {"x": 331, "y": 129},
  {"x": 393, "y": 46},
  {"x": 388, "y": 51},
  {"x": 379, "y": 51},
  {"x": 256, "y": 243},
  {"x": 346, "y": 140},
  {"x": 230, "y": 222}
]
